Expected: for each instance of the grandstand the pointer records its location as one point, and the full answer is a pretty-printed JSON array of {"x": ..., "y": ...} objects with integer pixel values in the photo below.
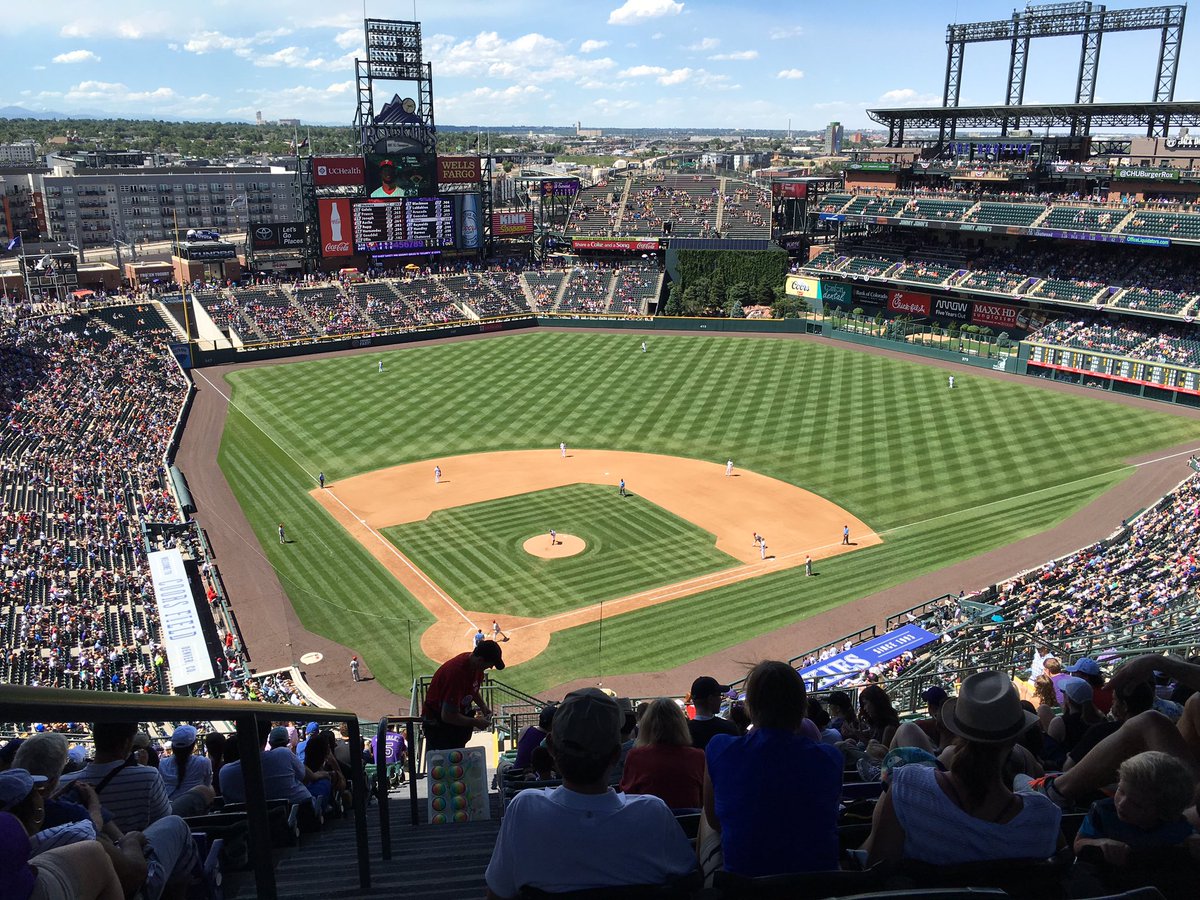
[{"x": 587, "y": 290}]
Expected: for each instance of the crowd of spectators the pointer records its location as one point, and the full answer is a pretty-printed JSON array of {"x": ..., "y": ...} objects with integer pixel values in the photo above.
[{"x": 1165, "y": 343}]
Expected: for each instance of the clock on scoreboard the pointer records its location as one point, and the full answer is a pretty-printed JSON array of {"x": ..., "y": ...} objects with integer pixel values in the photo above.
[{"x": 413, "y": 223}]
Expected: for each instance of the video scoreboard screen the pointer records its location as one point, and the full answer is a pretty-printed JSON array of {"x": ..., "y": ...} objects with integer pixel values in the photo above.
[{"x": 417, "y": 223}]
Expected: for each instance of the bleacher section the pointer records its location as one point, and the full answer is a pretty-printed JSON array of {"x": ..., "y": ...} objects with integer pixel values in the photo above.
[
  {"x": 1164, "y": 224},
  {"x": 333, "y": 312},
  {"x": 687, "y": 202},
  {"x": 992, "y": 212},
  {"x": 488, "y": 293},
  {"x": 933, "y": 208},
  {"x": 745, "y": 211},
  {"x": 1156, "y": 300},
  {"x": 1176, "y": 344},
  {"x": 634, "y": 290},
  {"x": 544, "y": 287},
  {"x": 586, "y": 291},
  {"x": 1083, "y": 218},
  {"x": 597, "y": 209},
  {"x": 272, "y": 316}
]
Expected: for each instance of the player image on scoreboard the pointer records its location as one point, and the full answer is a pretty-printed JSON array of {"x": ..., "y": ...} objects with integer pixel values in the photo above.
[{"x": 398, "y": 175}]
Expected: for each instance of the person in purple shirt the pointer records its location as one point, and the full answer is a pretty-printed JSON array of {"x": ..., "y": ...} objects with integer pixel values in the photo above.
[{"x": 533, "y": 736}]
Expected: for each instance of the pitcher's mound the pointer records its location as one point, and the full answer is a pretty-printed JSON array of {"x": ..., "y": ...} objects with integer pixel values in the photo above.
[{"x": 565, "y": 545}]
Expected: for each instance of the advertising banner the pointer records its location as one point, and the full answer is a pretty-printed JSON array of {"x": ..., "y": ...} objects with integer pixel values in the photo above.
[
  {"x": 1147, "y": 174},
  {"x": 949, "y": 308},
  {"x": 336, "y": 221},
  {"x": 996, "y": 315},
  {"x": 589, "y": 244},
  {"x": 797, "y": 190},
  {"x": 277, "y": 236},
  {"x": 458, "y": 169},
  {"x": 801, "y": 286},
  {"x": 870, "y": 166},
  {"x": 469, "y": 231},
  {"x": 212, "y": 251},
  {"x": 512, "y": 224},
  {"x": 837, "y": 294},
  {"x": 179, "y": 621},
  {"x": 338, "y": 170},
  {"x": 908, "y": 303},
  {"x": 872, "y": 652},
  {"x": 873, "y": 295},
  {"x": 559, "y": 187}
]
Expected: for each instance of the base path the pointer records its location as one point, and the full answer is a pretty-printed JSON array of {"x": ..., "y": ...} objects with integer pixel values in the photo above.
[{"x": 795, "y": 523}]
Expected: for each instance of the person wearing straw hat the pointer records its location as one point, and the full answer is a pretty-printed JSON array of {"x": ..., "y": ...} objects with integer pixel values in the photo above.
[{"x": 968, "y": 813}]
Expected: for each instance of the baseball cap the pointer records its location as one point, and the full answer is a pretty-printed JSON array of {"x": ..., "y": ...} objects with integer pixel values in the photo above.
[
  {"x": 311, "y": 728},
  {"x": 15, "y": 785},
  {"x": 1084, "y": 666},
  {"x": 934, "y": 695},
  {"x": 587, "y": 723},
  {"x": 707, "y": 686},
  {"x": 278, "y": 736},
  {"x": 546, "y": 717},
  {"x": 183, "y": 736},
  {"x": 141, "y": 741},
  {"x": 387, "y": 162},
  {"x": 1077, "y": 689},
  {"x": 16, "y": 874},
  {"x": 490, "y": 651}
]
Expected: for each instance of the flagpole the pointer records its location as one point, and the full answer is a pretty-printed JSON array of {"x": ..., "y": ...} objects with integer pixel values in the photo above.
[
  {"x": 25, "y": 277},
  {"x": 187, "y": 321}
]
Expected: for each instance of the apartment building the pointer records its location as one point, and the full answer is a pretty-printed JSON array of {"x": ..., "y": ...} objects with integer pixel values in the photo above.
[{"x": 94, "y": 207}]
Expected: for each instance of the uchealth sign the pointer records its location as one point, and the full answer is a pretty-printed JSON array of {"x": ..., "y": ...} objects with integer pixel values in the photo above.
[
  {"x": 800, "y": 286},
  {"x": 338, "y": 170},
  {"x": 908, "y": 303},
  {"x": 994, "y": 314},
  {"x": 949, "y": 308},
  {"x": 508, "y": 224},
  {"x": 337, "y": 223}
]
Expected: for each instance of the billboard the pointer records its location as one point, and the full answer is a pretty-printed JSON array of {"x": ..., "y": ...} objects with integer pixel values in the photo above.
[
  {"x": 458, "y": 170},
  {"x": 797, "y": 190},
  {"x": 391, "y": 176},
  {"x": 559, "y": 187},
  {"x": 335, "y": 225},
  {"x": 590, "y": 244},
  {"x": 801, "y": 286},
  {"x": 908, "y": 303},
  {"x": 50, "y": 269},
  {"x": 872, "y": 652},
  {"x": 948, "y": 308},
  {"x": 180, "y": 630},
  {"x": 837, "y": 294},
  {"x": 995, "y": 314},
  {"x": 420, "y": 223},
  {"x": 338, "y": 170},
  {"x": 276, "y": 236},
  {"x": 877, "y": 296},
  {"x": 512, "y": 224}
]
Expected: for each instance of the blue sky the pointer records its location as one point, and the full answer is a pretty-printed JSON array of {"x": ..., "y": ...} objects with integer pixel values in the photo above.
[{"x": 607, "y": 63}]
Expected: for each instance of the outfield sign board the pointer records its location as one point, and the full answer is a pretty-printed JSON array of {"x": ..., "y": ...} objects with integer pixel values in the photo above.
[
  {"x": 179, "y": 621},
  {"x": 591, "y": 244},
  {"x": 997, "y": 315},
  {"x": 873, "y": 652},
  {"x": 458, "y": 170},
  {"x": 511, "y": 224},
  {"x": 836, "y": 293},
  {"x": 338, "y": 170},
  {"x": 950, "y": 308},
  {"x": 1118, "y": 368},
  {"x": 336, "y": 226},
  {"x": 1147, "y": 174},
  {"x": 801, "y": 286},
  {"x": 908, "y": 303},
  {"x": 276, "y": 235}
]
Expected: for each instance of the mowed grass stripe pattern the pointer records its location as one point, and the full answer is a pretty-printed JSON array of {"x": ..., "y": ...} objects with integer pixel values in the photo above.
[
  {"x": 475, "y": 552},
  {"x": 664, "y": 636},
  {"x": 884, "y": 438},
  {"x": 337, "y": 588}
]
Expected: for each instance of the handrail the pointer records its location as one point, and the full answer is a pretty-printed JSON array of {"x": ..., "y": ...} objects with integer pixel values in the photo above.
[
  {"x": 27, "y": 704},
  {"x": 381, "y": 779}
]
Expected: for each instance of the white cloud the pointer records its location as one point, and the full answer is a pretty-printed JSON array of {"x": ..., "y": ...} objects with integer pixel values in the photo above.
[
  {"x": 908, "y": 97},
  {"x": 351, "y": 39},
  {"x": 213, "y": 41},
  {"x": 529, "y": 58},
  {"x": 76, "y": 56},
  {"x": 641, "y": 71},
  {"x": 737, "y": 55},
  {"x": 634, "y": 11},
  {"x": 782, "y": 34},
  {"x": 100, "y": 25},
  {"x": 676, "y": 76},
  {"x": 705, "y": 44},
  {"x": 694, "y": 76},
  {"x": 592, "y": 46},
  {"x": 793, "y": 74}
]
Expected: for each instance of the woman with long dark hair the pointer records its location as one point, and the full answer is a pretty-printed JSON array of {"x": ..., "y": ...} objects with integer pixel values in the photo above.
[{"x": 187, "y": 775}]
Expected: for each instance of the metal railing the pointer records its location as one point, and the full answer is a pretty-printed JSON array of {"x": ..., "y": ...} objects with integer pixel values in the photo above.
[
  {"x": 381, "y": 776},
  {"x": 25, "y": 704}
]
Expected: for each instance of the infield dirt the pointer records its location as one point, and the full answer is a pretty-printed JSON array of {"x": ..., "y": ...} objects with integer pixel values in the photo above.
[{"x": 794, "y": 522}]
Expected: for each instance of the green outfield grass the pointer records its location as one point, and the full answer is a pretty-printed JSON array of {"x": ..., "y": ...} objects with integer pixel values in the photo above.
[
  {"x": 475, "y": 552},
  {"x": 943, "y": 474}
]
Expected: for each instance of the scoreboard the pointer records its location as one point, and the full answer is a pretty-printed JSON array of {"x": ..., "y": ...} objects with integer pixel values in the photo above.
[
  {"x": 1085, "y": 362},
  {"x": 417, "y": 223}
]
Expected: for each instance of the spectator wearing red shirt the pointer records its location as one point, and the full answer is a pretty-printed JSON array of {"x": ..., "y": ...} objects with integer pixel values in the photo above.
[
  {"x": 663, "y": 762},
  {"x": 447, "y": 713}
]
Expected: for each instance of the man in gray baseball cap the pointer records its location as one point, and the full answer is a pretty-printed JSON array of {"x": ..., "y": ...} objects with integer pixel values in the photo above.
[{"x": 566, "y": 838}]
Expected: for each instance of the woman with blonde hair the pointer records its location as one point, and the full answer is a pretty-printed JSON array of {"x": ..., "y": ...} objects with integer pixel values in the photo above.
[{"x": 663, "y": 761}]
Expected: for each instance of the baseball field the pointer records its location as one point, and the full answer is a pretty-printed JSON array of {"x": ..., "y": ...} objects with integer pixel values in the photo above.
[{"x": 403, "y": 569}]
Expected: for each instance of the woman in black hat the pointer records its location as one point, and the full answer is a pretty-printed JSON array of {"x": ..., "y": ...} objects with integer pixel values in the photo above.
[{"x": 969, "y": 813}]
